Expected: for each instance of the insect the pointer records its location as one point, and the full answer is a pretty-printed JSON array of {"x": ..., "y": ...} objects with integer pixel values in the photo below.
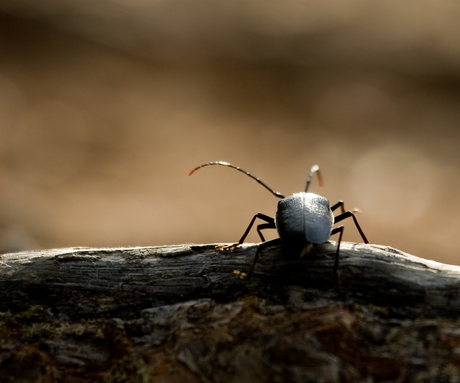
[{"x": 302, "y": 219}]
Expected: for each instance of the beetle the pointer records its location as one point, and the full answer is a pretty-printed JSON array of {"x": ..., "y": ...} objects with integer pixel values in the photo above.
[{"x": 302, "y": 219}]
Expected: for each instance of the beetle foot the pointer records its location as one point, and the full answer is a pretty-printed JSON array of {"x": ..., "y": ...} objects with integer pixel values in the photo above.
[{"x": 227, "y": 247}]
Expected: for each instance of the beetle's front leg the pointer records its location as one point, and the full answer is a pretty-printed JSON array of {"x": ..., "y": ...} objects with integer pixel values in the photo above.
[{"x": 269, "y": 225}]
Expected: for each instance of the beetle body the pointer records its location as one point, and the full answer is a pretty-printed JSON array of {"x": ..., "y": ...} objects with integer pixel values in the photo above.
[
  {"x": 304, "y": 218},
  {"x": 301, "y": 219}
]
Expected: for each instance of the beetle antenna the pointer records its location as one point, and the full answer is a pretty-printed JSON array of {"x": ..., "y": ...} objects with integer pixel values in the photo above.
[
  {"x": 222, "y": 163},
  {"x": 313, "y": 170}
]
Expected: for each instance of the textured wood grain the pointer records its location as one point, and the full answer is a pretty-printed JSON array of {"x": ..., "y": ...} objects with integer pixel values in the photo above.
[
  {"x": 119, "y": 278},
  {"x": 180, "y": 313}
]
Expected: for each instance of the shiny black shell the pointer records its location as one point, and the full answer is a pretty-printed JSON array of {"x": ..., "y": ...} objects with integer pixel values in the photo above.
[{"x": 304, "y": 218}]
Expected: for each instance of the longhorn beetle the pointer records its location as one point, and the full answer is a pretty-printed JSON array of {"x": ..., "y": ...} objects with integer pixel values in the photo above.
[{"x": 301, "y": 219}]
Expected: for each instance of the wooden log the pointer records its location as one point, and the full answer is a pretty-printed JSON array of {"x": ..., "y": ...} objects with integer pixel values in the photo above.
[
  {"x": 180, "y": 313},
  {"x": 137, "y": 277}
]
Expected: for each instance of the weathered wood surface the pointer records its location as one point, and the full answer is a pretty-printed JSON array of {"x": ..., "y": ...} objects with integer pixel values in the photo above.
[
  {"x": 179, "y": 313},
  {"x": 120, "y": 277}
]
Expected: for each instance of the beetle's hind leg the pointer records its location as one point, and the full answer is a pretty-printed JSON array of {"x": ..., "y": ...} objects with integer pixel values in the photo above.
[{"x": 270, "y": 224}]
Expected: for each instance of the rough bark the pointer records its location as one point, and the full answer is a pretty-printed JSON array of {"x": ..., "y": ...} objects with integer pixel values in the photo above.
[{"x": 180, "y": 313}]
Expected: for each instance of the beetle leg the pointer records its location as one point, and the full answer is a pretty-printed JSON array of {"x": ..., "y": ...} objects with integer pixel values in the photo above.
[
  {"x": 269, "y": 225},
  {"x": 227, "y": 247},
  {"x": 261, "y": 246},
  {"x": 347, "y": 215},
  {"x": 341, "y": 204},
  {"x": 335, "y": 231},
  {"x": 336, "y": 264},
  {"x": 264, "y": 226},
  {"x": 337, "y": 205}
]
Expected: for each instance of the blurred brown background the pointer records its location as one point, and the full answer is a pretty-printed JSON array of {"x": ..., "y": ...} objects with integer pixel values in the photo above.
[{"x": 106, "y": 106}]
